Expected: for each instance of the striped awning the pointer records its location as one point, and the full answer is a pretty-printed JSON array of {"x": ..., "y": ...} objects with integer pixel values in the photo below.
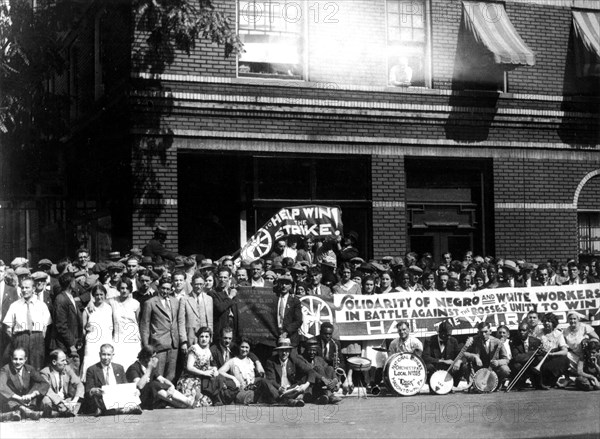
[
  {"x": 490, "y": 26},
  {"x": 587, "y": 30}
]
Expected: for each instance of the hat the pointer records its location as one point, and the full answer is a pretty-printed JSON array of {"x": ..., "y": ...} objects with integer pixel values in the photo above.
[
  {"x": 18, "y": 262},
  {"x": 100, "y": 267},
  {"x": 39, "y": 275},
  {"x": 270, "y": 273},
  {"x": 206, "y": 263},
  {"x": 22, "y": 271},
  {"x": 415, "y": 269},
  {"x": 510, "y": 265},
  {"x": 387, "y": 259},
  {"x": 357, "y": 260},
  {"x": 528, "y": 267},
  {"x": 147, "y": 260},
  {"x": 189, "y": 262},
  {"x": 299, "y": 267},
  {"x": 45, "y": 262},
  {"x": 285, "y": 278},
  {"x": 115, "y": 266},
  {"x": 114, "y": 256},
  {"x": 135, "y": 251},
  {"x": 278, "y": 268},
  {"x": 366, "y": 266},
  {"x": 328, "y": 263},
  {"x": 312, "y": 342},
  {"x": 179, "y": 262},
  {"x": 377, "y": 266},
  {"x": 283, "y": 343},
  {"x": 162, "y": 230},
  {"x": 397, "y": 262},
  {"x": 352, "y": 234}
]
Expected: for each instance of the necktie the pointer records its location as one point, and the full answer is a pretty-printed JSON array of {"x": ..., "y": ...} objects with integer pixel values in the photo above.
[
  {"x": 20, "y": 375},
  {"x": 168, "y": 305},
  {"x": 526, "y": 345},
  {"x": 60, "y": 382},
  {"x": 29, "y": 318},
  {"x": 281, "y": 310},
  {"x": 226, "y": 355},
  {"x": 326, "y": 351}
]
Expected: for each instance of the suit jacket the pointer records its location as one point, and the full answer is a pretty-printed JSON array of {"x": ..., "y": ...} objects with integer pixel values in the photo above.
[
  {"x": 67, "y": 323},
  {"x": 71, "y": 384},
  {"x": 32, "y": 381},
  {"x": 299, "y": 371},
  {"x": 221, "y": 306},
  {"x": 10, "y": 296},
  {"x": 195, "y": 316},
  {"x": 160, "y": 327},
  {"x": 432, "y": 353},
  {"x": 219, "y": 360},
  {"x": 292, "y": 319},
  {"x": 333, "y": 346},
  {"x": 303, "y": 255},
  {"x": 517, "y": 349},
  {"x": 497, "y": 350},
  {"x": 325, "y": 291},
  {"x": 94, "y": 376}
]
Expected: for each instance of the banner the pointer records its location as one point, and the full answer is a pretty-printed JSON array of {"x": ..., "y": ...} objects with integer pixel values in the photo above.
[
  {"x": 312, "y": 220},
  {"x": 359, "y": 317},
  {"x": 257, "y": 318}
]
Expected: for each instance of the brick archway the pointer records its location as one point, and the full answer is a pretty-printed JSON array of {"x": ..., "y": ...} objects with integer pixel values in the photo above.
[{"x": 581, "y": 184}]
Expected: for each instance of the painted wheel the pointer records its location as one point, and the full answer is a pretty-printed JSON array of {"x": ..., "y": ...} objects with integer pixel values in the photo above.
[
  {"x": 258, "y": 246},
  {"x": 314, "y": 312}
]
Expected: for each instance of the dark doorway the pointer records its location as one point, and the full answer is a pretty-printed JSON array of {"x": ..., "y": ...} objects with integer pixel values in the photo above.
[{"x": 449, "y": 206}]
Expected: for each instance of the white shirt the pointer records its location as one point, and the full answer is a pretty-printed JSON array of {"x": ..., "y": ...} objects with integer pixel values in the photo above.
[
  {"x": 258, "y": 283},
  {"x": 111, "y": 375},
  {"x": 411, "y": 344},
  {"x": 507, "y": 349},
  {"x": 16, "y": 317},
  {"x": 285, "y": 383},
  {"x": 282, "y": 302}
]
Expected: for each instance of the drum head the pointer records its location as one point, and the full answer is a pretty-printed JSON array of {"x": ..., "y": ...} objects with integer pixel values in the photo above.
[
  {"x": 485, "y": 380},
  {"x": 405, "y": 374},
  {"x": 359, "y": 363},
  {"x": 441, "y": 382}
]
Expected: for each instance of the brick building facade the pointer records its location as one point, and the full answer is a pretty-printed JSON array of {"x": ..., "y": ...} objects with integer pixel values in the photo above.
[{"x": 468, "y": 153}]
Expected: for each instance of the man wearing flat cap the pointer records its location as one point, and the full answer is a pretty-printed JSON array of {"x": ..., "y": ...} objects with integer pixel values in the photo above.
[
  {"x": 156, "y": 246},
  {"x": 45, "y": 265},
  {"x": 289, "y": 310},
  {"x": 528, "y": 281},
  {"x": 326, "y": 382},
  {"x": 415, "y": 277}
]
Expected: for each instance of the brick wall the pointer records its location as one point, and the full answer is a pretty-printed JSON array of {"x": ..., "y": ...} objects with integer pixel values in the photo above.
[
  {"x": 389, "y": 210},
  {"x": 154, "y": 166},
  {"x": 589, "y": 197},
  {"x": 528, "y": 222}
]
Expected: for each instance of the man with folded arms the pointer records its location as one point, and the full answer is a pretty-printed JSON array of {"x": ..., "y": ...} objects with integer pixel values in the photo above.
[
  {"x": 22, "y": 388},
  {"x": 65, "y": 386}
]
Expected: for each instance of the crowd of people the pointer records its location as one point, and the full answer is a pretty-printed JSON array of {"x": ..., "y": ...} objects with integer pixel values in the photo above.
[{"x": 169, "y": 324}]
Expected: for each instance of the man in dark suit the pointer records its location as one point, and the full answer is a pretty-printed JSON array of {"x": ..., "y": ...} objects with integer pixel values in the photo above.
[
  {"x": 102, "y": 374},
  {"x": 65, "y": 386},
  {"x": 440, "y": 351},
  {"x": 21, "y": 388},
  {"x": 289, "y": 311},
  {"x": 163, "y": 328},
  {"x": 67, "y": 318},
  {"x": 225, "y": 309},
  {"x": 326, "y": 382},
  {"x": 286, "y": 378},
  {"x": 522, "y": 348},
  {"x": 487, "y": 351},
  {"x": 510, "y": 271},
  {"x": 224, "y": 350},
  {"x": 8, "y": 295}
]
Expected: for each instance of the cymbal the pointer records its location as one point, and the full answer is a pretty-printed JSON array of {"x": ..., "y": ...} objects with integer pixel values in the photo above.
[{"x": 380, "y": 349}]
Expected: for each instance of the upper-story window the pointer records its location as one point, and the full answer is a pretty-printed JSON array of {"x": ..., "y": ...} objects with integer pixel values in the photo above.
[
  {"x": 271, "y": 31},
  {"x": 407, "y": 36}
]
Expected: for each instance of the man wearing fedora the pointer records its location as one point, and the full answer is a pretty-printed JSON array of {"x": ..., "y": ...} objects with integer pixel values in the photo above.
[
  {"x": 510, "y": 271},
  {"x": 289, "y": 310},
  {"x": 156, "y": 246},
  {"x": 287, "y": 378}
]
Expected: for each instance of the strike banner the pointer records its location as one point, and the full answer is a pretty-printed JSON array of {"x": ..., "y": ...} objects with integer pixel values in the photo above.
[
  {"x": 311, "y": 220},
  {"x": 256, "y": 314},
  {"x": 359, "y": 317}
]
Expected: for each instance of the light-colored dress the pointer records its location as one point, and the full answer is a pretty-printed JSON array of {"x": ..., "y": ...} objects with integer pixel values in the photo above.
[
  {"x": 574, "y": 337},
  {"x": 99, "y": 330},
  {"x": 194, "y": 385},
  {"x": 126, "y": 339}
]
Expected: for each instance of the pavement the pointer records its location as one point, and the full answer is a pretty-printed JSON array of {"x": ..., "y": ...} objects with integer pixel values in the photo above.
[{"x": 518, "y": 414}]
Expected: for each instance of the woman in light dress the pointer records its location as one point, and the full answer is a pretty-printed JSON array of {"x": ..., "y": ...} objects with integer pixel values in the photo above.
[
  {"x": 126, "y": 312},
  {"x": 97, "y": 327}
]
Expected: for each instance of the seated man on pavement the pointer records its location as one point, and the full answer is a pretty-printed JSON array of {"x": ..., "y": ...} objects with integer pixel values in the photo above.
[
  {"x": 155, "y": 390},
  {"x": 522, "y": 347},
  {"x": 106, "y": 373},
  {"x": 488, "y": 352},
  {"x": 287, "y": 378},
  {"x": 21, "y": 389},
  {"x": 440, "y": 351},
  {"x": 326, "y": 381},
  {"x": 66, "y": 389}
]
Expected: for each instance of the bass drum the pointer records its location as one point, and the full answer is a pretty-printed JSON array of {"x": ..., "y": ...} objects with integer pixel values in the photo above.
[
  {"x": 441, "y": 382},
  {"x": 405, "y": 374}
]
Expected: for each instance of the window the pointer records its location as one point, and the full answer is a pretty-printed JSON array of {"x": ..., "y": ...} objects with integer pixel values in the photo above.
[
  {"x": 271, "y": 31},
  {"x": 589, "y": 233},
  {"x": 407, "y": 37}
]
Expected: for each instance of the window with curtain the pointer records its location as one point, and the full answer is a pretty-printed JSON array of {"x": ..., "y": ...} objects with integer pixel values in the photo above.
[
  {"x": 407, "y": 37},
  {"x": 273, "y": 39}
]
